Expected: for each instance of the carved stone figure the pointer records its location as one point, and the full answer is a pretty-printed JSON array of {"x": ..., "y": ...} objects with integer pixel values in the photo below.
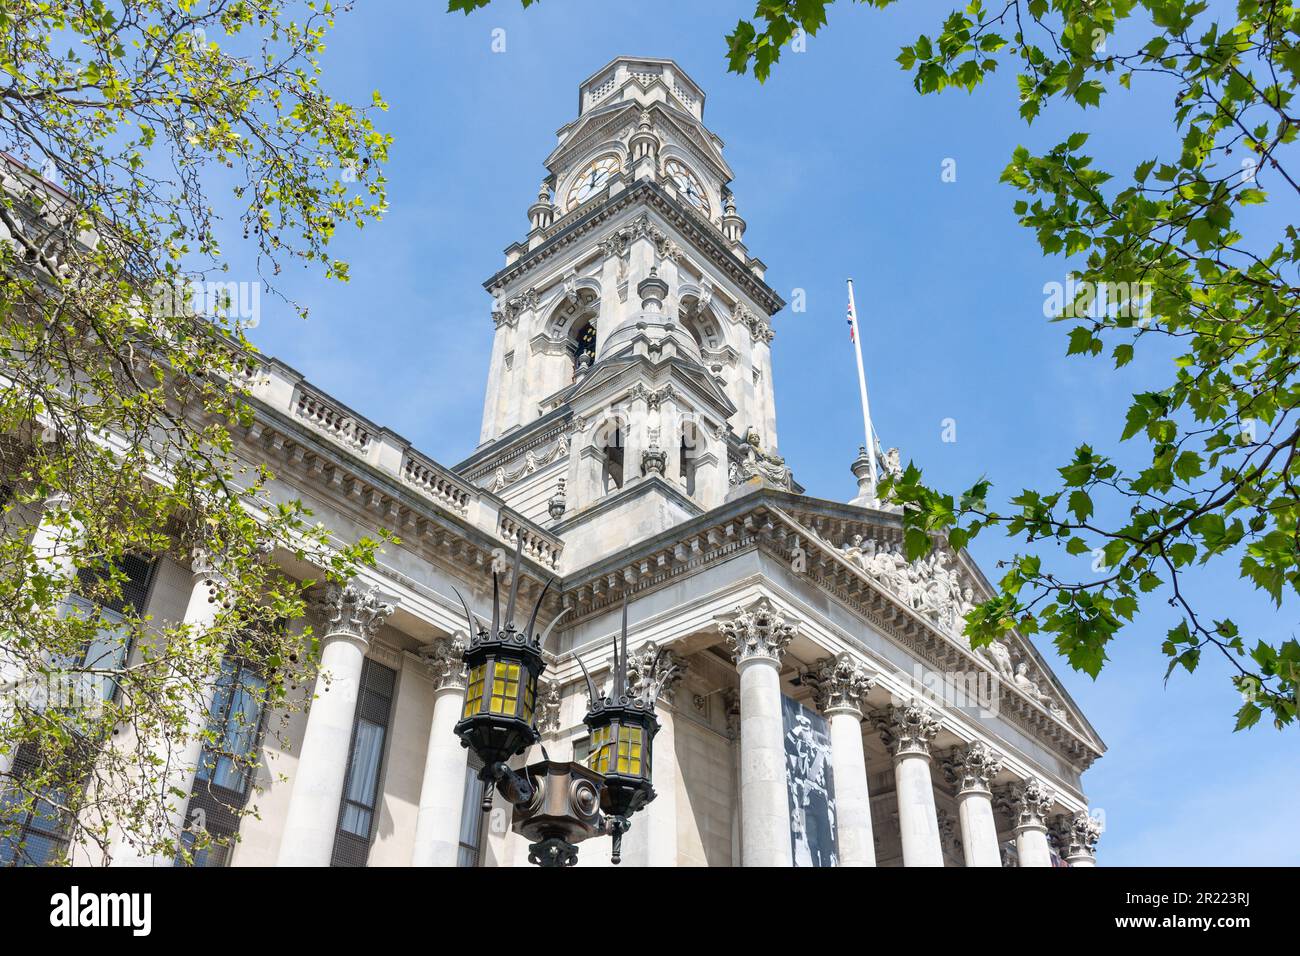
[
  {"x": 1001, "y": 655},
  {"x": 756, "y": 463}
]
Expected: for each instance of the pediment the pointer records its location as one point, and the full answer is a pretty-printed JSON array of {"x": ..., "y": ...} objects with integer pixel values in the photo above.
[
  {"x": 693, "y": 132},
  {"x": 596, "y": 124},
  {"x": 673, "y": 374},
  {"x": 605, "y": 122},
  {"x": 941, "y": 589}
]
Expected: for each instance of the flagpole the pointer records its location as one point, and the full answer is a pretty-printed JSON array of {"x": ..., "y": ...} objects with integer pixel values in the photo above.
[{"x": 862, "y": 387}]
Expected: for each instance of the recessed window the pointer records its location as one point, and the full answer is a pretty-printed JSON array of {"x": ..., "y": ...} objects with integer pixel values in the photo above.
[
  {"x": 470, "y": 852},
  {"x": 236, "y": 720},
  {"x": 356, "y": 825},
  {"x": 38, "y": 834}
]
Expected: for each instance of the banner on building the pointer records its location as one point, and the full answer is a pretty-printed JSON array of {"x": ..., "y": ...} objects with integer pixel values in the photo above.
[{"x": 810, "y": 783}]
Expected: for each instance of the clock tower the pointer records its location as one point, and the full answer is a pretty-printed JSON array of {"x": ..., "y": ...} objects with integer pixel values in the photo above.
[{"x": 630, "y": 385}]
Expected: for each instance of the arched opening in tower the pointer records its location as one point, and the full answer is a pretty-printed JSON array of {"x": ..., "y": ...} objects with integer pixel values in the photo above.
[{"x": 582, "y": 346}]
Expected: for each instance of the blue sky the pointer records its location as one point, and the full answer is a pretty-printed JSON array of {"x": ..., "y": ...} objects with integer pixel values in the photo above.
[{"x": 838, "y": 166}]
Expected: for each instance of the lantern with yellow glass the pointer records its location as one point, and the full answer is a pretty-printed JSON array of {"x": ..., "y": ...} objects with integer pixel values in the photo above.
[
  {"x": 503, "y": 664},
  {"x": 623, "y": 726}
]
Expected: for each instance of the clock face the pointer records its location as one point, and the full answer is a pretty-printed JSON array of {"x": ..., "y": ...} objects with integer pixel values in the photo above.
[
  {"x": 688, "y": 185},
  {"x": 591, "y": 180}
]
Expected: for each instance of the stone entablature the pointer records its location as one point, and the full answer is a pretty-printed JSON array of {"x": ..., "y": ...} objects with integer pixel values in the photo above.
[{"x": 319, "y": 437}]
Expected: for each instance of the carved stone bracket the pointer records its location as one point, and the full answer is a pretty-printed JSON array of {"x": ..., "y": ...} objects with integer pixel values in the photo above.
[
  {"x": 653, "y": 673},
  {"x": 548, "y": 709}
]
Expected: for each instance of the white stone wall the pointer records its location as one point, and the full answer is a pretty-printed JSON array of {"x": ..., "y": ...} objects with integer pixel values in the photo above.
[{"x": 706, "y": 794}]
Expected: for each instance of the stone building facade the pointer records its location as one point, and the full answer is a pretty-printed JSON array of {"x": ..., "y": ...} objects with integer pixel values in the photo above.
[{"x": 629, "y": 442}]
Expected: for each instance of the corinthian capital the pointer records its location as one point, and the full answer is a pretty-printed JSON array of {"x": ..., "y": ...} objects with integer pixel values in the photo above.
[
  {"x": 1029, "y": 802},
  {"x": 907, "y": 728},
  {"x": 759, "y": 632},
  {"x": 840, "y": 684},
  {"x": 445, "y": 659},
  {"x": 1076, "y": 835},
  {"x": 548, "y": 710},
  {"x": 971, "y": 769},
  {"x": 353, "y": 613},
  {"x": 653, "y": 673}
]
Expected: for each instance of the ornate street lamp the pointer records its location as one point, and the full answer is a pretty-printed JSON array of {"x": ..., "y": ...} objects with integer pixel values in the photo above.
[
  {"x": 557, "y": 804},
  {"x": 622, "y": 728},
  {"x": 503, "y": 665}
]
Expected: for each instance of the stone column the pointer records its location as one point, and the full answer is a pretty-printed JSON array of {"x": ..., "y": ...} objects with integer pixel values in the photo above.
[
  {"x": 907, "y": 731},
  {"x": 56, "y": 534},
  {"x": 758, "y": 636},
  {"x": 1077, "y": 835},
  {"x": 352, "y": 618},
  {"x": 971, "y": 770},
  {"x": 180, "y": 756},
  {"x": 653, "y": 674},
  {"x": 442, "y": 792},
  {"x": 840, "y": 686},
  {"x": 1029, "y": 802}
]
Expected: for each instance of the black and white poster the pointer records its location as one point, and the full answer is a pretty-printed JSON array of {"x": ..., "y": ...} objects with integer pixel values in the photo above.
[{"x": 810, "y": 784}]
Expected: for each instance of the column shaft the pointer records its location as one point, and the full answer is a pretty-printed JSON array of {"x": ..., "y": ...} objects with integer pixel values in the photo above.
[
  {"x": 979, "y": 829},
  {"x": 852, "y": 796},
  {"x": 971, "y": 770},
  {"x": 353, "y": 618},
  {"x": 652, "y": 840},
  {"x": 55, "y": 534},
  {"x": 437, "y": 824},
  {"x": 308, "y": 837},
  {"x": 918, "y": 820},
  {"x": 907, "y": 731},
  {"x": 180, "y": 756},
  {"x": 1030, "y": 802},
  {"x": 765, "y": 827},
  {"x": 1031, "y": 846}
]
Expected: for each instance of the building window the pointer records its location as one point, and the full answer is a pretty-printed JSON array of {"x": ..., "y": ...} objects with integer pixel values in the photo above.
[
  {"x": 108, "y": 650},
  {"x": 610, "y": 443},
  {"x": 471, "y": 816},
  {"x": 225, "y": 767},
  {"x": 582, "y": 347},
  {"x": 236, "y": 720},
  {"x": 216, "y": 854},
  {"x": 365, "y": 763},
  {"x": 688, "y": 455},
  {"x": 31, "y": 837},
  {"x": 39, "y": 835}
]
